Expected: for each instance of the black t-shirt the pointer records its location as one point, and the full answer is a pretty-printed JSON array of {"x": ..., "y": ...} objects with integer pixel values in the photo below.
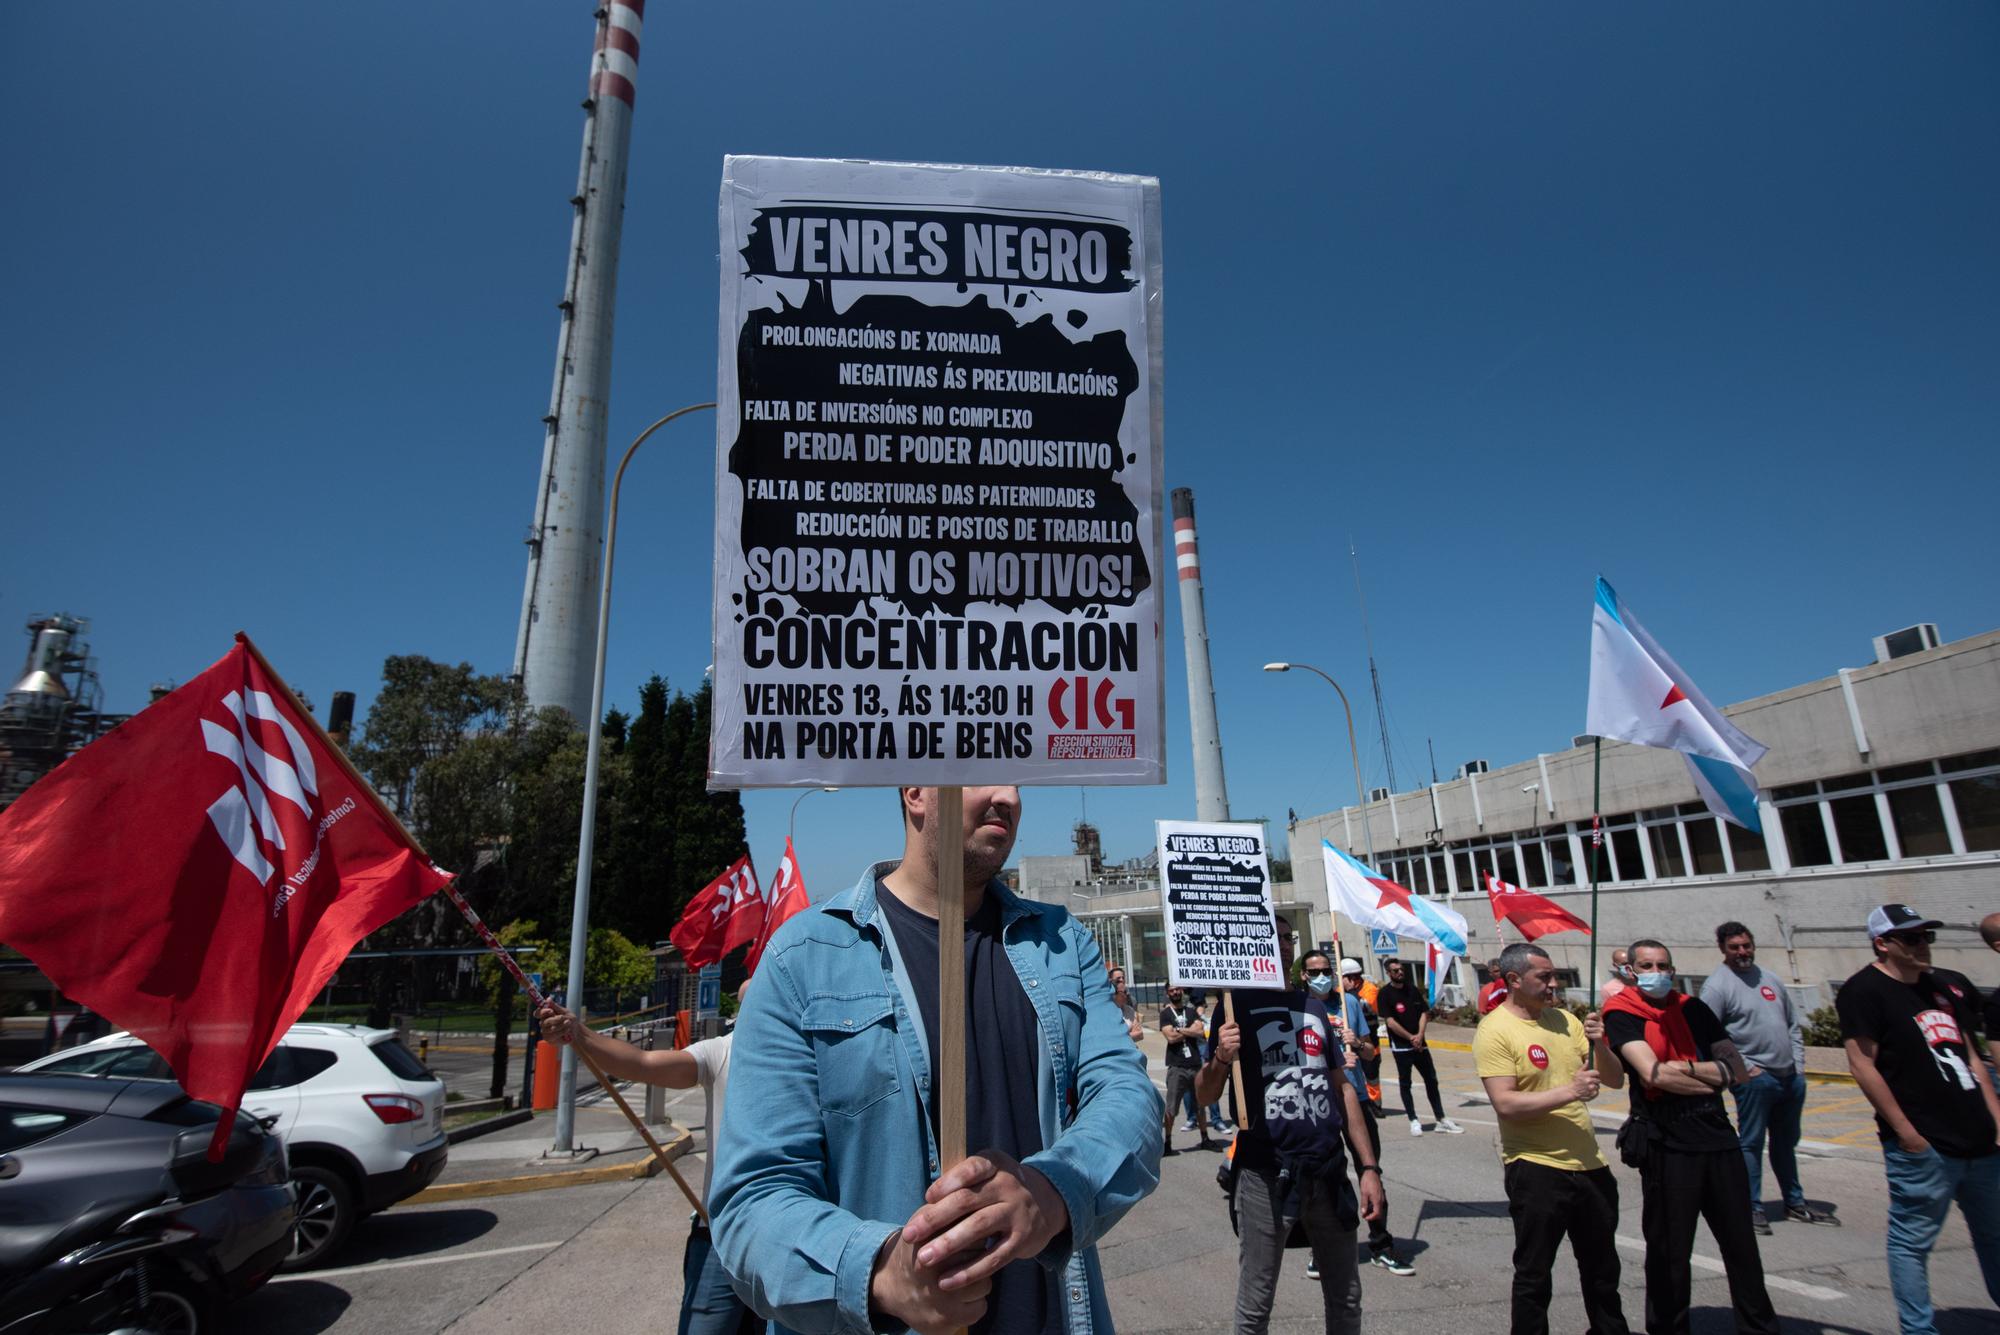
[
  {"x": 1403, "y": 1005},
  {"x": 1187, "y": 1052},
  {"x": 1924, "y": 1051},
  {"x": 1689, "y": 1123},
  {"x": 1001, "y": 1041},
  {"x": 1290, "y": 1078}
]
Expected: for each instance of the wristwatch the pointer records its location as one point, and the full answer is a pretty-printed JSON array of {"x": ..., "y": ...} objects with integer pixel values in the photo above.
[{"x": 1374, "y": 1168}]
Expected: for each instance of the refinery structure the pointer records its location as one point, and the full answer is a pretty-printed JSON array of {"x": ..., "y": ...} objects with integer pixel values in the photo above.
[{"x": 54, "y": 708}]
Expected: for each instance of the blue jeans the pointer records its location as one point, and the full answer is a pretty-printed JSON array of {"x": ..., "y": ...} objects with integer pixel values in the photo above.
[
  {"x": 709, "y": 1306},
  {"x": 1214, "y": 1111},
  {"x": 1768, "y": 1105},
  {"x": 1921, "y": 1190}
]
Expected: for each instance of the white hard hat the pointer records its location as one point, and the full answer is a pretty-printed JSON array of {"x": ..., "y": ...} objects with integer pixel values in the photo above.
[{"x": 1350, "y": 966}]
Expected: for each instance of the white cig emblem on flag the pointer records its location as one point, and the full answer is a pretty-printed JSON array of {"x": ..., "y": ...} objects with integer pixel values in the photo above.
[{"x": 244, "y": 816}]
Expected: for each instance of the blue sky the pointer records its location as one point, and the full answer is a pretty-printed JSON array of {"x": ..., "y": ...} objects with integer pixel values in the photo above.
[{"x": 1700, "y": 297}]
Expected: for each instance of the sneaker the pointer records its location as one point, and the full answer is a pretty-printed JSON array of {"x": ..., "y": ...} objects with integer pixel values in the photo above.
[
  {"x": 1416, "y": 1127},
  {"x": 1759, "y": 1222},
  {"x": 1805, "y": 1214},
  {"x": 1449, "y": 1127},
  {"x": 1222, "y": 1127},
  {"x": 1169, "y": 1151},
  {"x": 1189, "y": 1126},
  {"x": 1312, "y": 1268},
  {"x": 1392, "y": 1263}
]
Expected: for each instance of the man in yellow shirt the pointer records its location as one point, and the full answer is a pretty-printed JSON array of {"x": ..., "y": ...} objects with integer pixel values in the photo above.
[{"x": 1541, "y": 1066}]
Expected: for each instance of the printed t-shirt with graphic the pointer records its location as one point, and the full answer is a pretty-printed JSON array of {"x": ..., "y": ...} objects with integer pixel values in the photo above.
[
  {"x": 1758, "y": 1013},
  {"x": 1543, "y": 1053},
  {"x": 1187, "y": 1052},
  {"x": 1403, "y": 1005},
  {"x": 1291, "y": 1062},
  {"x": 711, "y": 1065},
  {"x": 1923, "y": 1050},
  {"x": 1689, "y": 1123}
]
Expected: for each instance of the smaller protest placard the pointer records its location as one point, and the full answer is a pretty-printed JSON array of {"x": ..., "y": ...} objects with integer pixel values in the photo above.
[{"x": 1215, "y": 893}]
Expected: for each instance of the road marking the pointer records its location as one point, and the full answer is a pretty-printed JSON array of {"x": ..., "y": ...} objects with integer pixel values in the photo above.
[
  {"x": 1799, "y": 1287},
  {"x": 421, "y": 1260}
]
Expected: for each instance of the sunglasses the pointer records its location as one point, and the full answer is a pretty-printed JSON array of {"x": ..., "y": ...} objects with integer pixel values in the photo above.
[
  {"x": 1319, "y": 973},
  {"x": 1928, "y": 936}
]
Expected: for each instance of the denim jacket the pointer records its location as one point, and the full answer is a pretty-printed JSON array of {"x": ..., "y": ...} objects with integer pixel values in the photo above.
[{"x": 828, "y": 1152}]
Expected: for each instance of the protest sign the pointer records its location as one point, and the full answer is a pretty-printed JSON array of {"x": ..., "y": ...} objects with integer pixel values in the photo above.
[
  {"x": 1215, "y": 893},
  {"x": 938, "y": 476}
]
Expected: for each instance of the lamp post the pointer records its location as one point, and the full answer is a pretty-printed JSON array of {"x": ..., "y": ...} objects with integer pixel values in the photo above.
[
  {"x": 579, "y": 924},
  {"x": 1353, "y": 750},
  {"x": 792, "y": 825}
]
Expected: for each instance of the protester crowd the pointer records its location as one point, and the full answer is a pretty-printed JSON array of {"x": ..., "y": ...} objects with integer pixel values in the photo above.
[{"x": 830, "y": 1208}]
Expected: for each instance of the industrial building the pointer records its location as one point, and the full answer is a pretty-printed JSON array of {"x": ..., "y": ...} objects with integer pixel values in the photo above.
[
  {"x": 1882, "y": 784},
  {"x": 54, "y": 709}
]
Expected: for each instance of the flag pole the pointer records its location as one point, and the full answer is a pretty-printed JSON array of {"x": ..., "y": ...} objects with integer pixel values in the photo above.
[
  {"x": 1596, "y": 850},
  {"x": 950, "y": 1082},
  {"x": 451, "y": 892}
]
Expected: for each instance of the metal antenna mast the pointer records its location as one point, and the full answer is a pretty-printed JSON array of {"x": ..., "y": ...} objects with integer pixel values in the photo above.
[{"x": 1374, "y": 677}]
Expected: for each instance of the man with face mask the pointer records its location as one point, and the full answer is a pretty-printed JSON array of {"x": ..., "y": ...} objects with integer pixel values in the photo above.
[
  {"x": 1618, "y": 979},
  {"x": 1357, "y": 1022},
  {"x": 1679, "y": 1137},
  {"x": 1757, "y": 1013}
]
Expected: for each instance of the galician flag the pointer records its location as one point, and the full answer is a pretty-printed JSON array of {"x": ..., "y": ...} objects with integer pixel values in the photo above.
[
  {"x": 1639, "y": 694},
  {"x": 1437, "y": 968},
  {"x": 1376, "y": 901}
]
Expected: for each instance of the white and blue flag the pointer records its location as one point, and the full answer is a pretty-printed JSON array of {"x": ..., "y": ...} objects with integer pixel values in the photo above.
[{"x": 1639, "y": 694}]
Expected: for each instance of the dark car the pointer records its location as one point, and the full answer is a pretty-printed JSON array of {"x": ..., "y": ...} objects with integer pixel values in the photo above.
[{"x": 108, "y": 1199}]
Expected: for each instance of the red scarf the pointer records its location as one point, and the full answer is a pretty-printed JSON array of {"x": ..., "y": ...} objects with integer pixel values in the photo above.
[{"x": 1667, "y": 1032}]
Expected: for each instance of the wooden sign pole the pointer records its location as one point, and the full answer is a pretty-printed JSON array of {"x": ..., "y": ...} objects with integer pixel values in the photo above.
[
  {"x": 1236, "y": 1066},
  {"x": 950, "y": 1076}
]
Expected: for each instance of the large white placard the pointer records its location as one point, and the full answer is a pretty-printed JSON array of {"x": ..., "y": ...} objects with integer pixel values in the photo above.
[
  {"x": 938, "y": 476},
  {"x": 1215, "y": 894}
]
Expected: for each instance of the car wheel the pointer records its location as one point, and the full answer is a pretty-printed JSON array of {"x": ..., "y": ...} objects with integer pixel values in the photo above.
[{"x": 326, "y": 1213}]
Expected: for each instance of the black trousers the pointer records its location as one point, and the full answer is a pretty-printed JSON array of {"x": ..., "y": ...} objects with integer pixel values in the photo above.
[
  {"x": 1379, "y": 1239},
  {"x": 1420, "y": 1061},
  {"x": 1679, "y": 1189},
  {"x": 1547, "y": 1204}
]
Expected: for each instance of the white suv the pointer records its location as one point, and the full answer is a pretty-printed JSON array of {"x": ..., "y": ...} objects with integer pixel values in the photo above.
[{"x": 361, "y": 1118}]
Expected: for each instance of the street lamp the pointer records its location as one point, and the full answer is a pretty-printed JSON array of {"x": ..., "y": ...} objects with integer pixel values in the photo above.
[
  {"x": 792, "y": 825},
  {"x": 1353, "y": 750},
  {"x": 579, "y": 925}
]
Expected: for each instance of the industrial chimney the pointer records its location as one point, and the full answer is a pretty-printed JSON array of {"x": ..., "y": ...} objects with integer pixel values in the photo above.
[
  {"x": 1211, "y": 793},
  {"x": 556, "y": 647}
]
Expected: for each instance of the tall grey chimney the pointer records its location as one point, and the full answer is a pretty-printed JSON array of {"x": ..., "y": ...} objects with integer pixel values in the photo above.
[{"x": 1211, "y": 791}]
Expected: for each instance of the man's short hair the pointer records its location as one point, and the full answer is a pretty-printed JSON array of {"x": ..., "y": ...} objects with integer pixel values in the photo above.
[
  {"x": 1632, "y": 957},
  {"x": 1515, "y": 958},
  {"x": 1989, "y": 929},
  {"x": 1729, "y": 931},
  {"x": 1393, "y": 963}
]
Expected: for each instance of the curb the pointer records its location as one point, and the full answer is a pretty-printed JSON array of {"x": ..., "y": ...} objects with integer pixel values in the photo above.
[
  {"x": 568, "y": 1177},
  {"x": 477, "y": 1129}
]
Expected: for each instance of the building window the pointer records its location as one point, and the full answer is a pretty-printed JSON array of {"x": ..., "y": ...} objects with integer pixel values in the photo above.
[
  {"x": 1978, "y": 803},
  {"x": 1858, "y": 825},
  {"x": 1439, "y": 884},
  {"x": 1805, "y": 835},
  {"x": 1919, "y": 821},
  {"x": 1705, "y": 846},
  {"x": 1627, "y": 863},
  {"x": 1532, "y": 875},
  {"x": 1504, "y": 866},
  {"x": 1666, "y": 850},
  {"x": 1561, "y": 870},
  {"x": 1461, "y": 863},
  {"x": 1748, "y": 848}
]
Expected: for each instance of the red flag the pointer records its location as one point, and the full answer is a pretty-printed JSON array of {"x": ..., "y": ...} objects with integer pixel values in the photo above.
[
  {"x": 1530, "y": 912},
  {"x": 197, "y": 874},
  {"x": 747, "y": 907},
  {"x": 788, "y": 897},
  {"x": 698, "y": 935}
]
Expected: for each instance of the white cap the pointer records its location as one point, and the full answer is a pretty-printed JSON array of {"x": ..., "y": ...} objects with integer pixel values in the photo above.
[
  {"x": 1350, "y": 966},
  {"x": 1896, "y": 918}
]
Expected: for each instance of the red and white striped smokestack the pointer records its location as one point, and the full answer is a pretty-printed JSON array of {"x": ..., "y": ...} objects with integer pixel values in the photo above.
[
  {"x": 1211, "y": 791},
  {"x": 556, "y": 648}
]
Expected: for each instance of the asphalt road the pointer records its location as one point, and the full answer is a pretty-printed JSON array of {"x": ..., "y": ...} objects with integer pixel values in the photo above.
[{"x": 606, "y": 1258}]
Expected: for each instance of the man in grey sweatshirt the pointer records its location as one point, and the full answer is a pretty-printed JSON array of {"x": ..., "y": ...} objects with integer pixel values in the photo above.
[{"x": 1761, "y": 1021}]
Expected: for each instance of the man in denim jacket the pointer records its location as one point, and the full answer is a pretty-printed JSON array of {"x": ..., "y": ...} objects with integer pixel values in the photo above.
[{"x": 829, "y": 1211}]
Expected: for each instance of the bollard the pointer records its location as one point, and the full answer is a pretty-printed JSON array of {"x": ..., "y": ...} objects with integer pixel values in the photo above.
[
  {"x": 424, "y": 1051},
  {"x": 656, "y": 1095},
  {"x": 548, "y": 1074}
]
